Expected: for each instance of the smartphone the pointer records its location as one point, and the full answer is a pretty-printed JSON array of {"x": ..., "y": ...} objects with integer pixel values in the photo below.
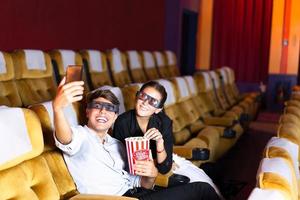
[{"x": 74, "y": 73}]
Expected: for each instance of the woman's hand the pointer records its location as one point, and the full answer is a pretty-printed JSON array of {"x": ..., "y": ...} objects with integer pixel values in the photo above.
[
  {"x": 67, "y": 93},
  {"x": 154, "y": 134},
  {"x": 145, "y": 168}
]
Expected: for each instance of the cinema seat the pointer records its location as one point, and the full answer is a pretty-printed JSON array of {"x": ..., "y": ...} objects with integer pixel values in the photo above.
[
  {"x": 62, "y": 178},
  {"x": 95, "y": 63},
  {"x": 149, "y": 65},
  {"x": 276, "y": 174},
  {"x": 33, "y": 76},
  {"x": 161, "y": 65},
  {"x": 117, "y": 64},
  {"x": 259, "y": 194},
  {"x": 249, "y": 105},
  {"x": 172, "y": 63},
  {"x": 9, "y": 94},
  {"x": 182, "y": 137},
  {"x": 135, "y": 67},
  {"x": 24, "y": 173},
  {"x": 61, "y": 59}
]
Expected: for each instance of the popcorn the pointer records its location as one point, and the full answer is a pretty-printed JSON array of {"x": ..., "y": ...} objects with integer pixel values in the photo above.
[{"x": 137, "y": 149}]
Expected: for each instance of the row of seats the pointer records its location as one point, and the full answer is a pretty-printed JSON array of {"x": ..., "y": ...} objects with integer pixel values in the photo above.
[
  {"x": 278, "y": 173},
  {"x": 202, "y": 120},
  {"x": 34, "y": 69}
]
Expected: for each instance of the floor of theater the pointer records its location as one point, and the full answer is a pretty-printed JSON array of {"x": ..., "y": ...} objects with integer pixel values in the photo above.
[{"x": 239, "y": 165}]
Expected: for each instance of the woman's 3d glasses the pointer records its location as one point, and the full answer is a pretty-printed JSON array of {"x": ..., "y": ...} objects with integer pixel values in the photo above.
[
  {"x": 103, "y": 105},
  {"x": 151, "y": 101}
]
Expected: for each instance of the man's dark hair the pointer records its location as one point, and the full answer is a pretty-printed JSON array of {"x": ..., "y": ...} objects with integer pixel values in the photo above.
[
  {"x": 106, "y": 94},
  {"x": 161, "y": 89}
]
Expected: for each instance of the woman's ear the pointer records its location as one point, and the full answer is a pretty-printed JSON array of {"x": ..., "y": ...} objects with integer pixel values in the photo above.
[{"x": 158, "y": 110}]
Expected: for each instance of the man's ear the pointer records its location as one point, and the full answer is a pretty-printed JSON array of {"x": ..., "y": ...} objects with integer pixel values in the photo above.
[{"x": 158, "y": 110}]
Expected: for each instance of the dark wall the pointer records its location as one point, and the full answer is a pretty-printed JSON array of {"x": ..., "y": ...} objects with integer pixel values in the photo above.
[{"x": 78, "y": 24}]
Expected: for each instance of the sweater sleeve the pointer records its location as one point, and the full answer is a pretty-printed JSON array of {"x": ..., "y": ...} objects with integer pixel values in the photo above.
[{"x": 166, "y": 131}]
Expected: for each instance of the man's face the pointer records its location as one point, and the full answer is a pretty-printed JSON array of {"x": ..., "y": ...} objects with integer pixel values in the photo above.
[{"x": 100, "y": 120}]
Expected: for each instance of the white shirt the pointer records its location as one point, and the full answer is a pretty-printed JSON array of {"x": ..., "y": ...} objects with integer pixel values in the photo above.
[{"x": 95, "y": 167}]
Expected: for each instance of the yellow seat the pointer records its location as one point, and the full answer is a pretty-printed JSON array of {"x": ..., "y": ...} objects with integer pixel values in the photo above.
[
  {"x": 9, "y": 94},
  {"x": 172, "y": 63},
  {"x": 24, "y": 173},
  {"x": 161, "y": 65},
  {"x": 33, "y": 74},
  {"x": 276, "y": 174},
  {"x": 135, "y": 67},
  {"x": 96, "y": 66},
  {"x": 118, "y": 67},
  {"x": 149, "y": 65}
]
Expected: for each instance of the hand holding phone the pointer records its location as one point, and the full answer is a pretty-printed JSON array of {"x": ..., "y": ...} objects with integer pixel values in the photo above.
[{"x": 74, "y": 73}]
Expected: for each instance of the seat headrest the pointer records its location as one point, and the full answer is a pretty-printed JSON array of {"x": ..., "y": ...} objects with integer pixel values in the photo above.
[
  {"x": 215, "y": 78},
  {"x": 6, "y": 67},
  {"x": 207, "y": 81},
  {"x": 117, "y": 64},
  {"x": 277, "y": 166},
  {"x": 171, "y": 58},
  {"x": 31, "y": 63},
  {"x": 21, "y": 136},
  {"x": 224, "y": 75},
  {"x": 288, "y": 146},
  {"x": 183, "y": 88},
  {"x": 148, "y": 60},
  {"x": 191, "y": 84},
  {"x": 159, "y": 59},
  {"x": 68, "y": 58},
  {"x": 134, "y": 61},
  {"x": 171, "y": 98},
  {"x": 95, "y": 60}
]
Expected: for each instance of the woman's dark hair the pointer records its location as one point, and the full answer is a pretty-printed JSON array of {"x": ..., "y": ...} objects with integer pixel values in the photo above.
[
  {"x": 161, "y": 89},
  {"x": 106, "y": 94}
]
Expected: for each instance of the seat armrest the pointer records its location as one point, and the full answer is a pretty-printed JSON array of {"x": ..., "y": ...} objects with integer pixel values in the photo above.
[
  {"x": 162, "y": 180},
  {"x": 219, "y": 121},
  {"x": 100, "y": 197},
  {"x": 192, "y": 153}
]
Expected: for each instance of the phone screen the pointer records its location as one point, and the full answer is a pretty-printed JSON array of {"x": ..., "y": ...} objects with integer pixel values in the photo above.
[{"x": 74, "y": 73}]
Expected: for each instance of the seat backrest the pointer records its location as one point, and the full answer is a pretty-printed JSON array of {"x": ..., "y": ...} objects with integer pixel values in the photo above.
[
  {"x": 129, "y": 94},
  {"x": 9, "y": 94},
  {"x": 172, "y": 63},
  {"x": 135, "y": 67},
  {"x": 117, "y": 64},
  {"x": 24, "y": 174},
  {"x": 95, "y": 63},
  {"x": 149, "y": 65},
  {"x": 219, "y": 95},
  {"x": 33, "y": 74},
  {"x": 161, "y": 64}
]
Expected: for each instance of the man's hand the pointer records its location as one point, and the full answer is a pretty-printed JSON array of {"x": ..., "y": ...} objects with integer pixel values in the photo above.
[{"x": 67, "y": 93}]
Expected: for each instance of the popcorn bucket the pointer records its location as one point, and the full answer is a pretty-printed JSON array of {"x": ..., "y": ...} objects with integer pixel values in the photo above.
[{"x": 137, "y": 149}]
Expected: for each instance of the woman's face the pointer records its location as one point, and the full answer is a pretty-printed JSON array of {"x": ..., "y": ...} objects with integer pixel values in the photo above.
[{"x": 142, "y": 107}]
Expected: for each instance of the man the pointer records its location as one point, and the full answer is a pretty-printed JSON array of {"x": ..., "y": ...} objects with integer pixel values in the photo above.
[{"x": 97, "y": 161}]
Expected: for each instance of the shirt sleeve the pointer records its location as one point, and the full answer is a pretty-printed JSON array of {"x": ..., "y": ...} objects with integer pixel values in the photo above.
[
  {"x": 135, "y": 181},
  {"x": 166, "y": 131},
  {"x": 74, "y": 146}
]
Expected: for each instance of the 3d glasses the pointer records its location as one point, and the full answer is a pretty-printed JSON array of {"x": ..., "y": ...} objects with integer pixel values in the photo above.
[
  {"x": 103, "y": 105},
  {"x": 151, "y": 101}
]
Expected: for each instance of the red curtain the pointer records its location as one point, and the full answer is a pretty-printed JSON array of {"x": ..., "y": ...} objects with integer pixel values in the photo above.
[{"x": 241, "y": 37}]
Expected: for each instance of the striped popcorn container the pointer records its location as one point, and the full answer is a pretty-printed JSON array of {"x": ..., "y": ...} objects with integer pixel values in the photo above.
[{"x": 137, "y": 149}]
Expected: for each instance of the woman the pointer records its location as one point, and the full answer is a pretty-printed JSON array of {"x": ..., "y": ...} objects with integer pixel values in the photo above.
[{"x": 147, "y": 120}]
